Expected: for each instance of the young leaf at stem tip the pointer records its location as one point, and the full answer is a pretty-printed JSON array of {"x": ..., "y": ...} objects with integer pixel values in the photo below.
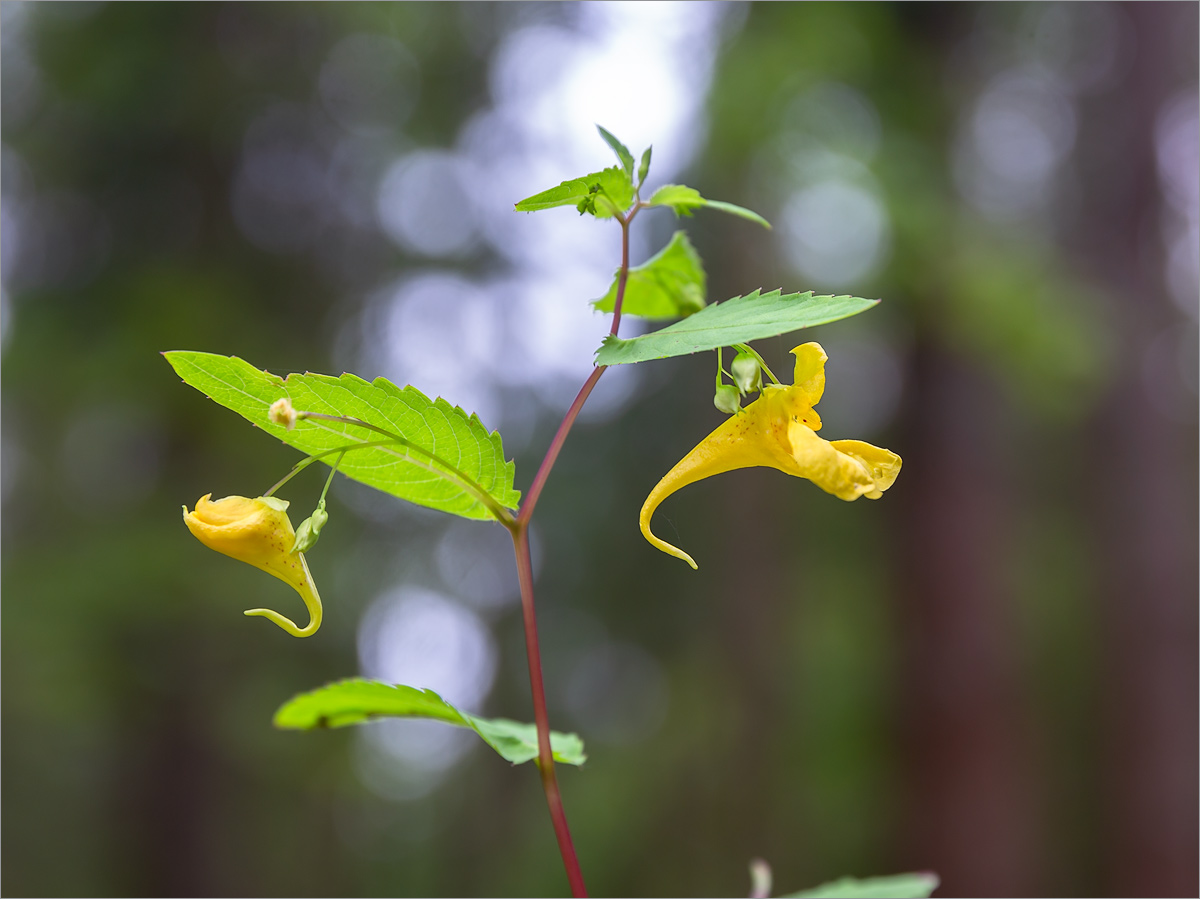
[
  {"x": 644, "y": 167},
  {"x": 670, "y": 284},
  {"x": 685, "y": 199},
  {"x": 622, "y": 151},
  {"x": 601, "y": 194}
]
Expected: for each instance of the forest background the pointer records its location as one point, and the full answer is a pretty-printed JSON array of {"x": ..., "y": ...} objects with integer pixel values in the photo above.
[{"x": 992, "y": 673}]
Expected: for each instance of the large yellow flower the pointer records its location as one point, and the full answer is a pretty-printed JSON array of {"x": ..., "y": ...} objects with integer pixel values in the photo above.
[
  {"x": 259, "y": 532},
  {"x": 778, "y": 430}
]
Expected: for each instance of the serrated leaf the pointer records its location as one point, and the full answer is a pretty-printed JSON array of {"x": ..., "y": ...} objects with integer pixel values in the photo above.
[
  {"x": 739, "y": 320},
  {"x": 898, "y": 886},
  {"x": 601, "y": 194},
  {"x": 469, "y": 477},
  {"x": 684, "y": 200},
  {"x": 670, "y": 284},
  {"x": 357, "y": 700},
  {"x": 622, "y": 151}
]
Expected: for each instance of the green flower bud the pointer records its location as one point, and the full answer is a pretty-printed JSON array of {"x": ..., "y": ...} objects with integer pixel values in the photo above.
[
  {"x": 727, "y": 399},
  {"x": 319, "y": 517},
  {"x": 310, "y": 530},
  {"x": 746, "y": 372}
]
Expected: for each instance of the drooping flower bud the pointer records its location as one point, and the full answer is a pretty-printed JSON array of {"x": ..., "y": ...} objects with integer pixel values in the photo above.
[
  {"x": 746, "y": 372},
  {"x": 727, "y": 399},
  {"x": 258, "y": 532},
  {"x": 310, "y": 530}
]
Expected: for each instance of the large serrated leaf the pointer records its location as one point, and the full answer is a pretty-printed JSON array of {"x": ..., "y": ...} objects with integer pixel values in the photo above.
[
  {"x": 467, "y": 474},
  {"x": 670, "y": 284},
  {"x": 739, "y": 320},
  {"x": 684, "y": 200},
  {"x": 357, "y": 700},
  {"x": 602, "y": 194},
  {"x": 898, "y": 886}
]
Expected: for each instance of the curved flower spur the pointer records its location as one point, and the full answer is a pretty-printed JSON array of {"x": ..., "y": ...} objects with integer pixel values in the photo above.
[
  {"x": 778, "y": 430},
  {"x": 258, "y": 532}
]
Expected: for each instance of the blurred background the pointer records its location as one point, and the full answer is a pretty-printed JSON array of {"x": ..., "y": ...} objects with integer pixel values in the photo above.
[{"x": 991, "y": 673}]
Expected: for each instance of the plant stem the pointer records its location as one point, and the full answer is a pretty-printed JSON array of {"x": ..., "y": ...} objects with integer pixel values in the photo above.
[
  {"x": 545, "y": 762},
  {"x": 329, "y": 480},
  {"x": 313, "y": 457},
  {"x": 519, "y": 528},
  {"x": 625, "y": 220},
  {"x": 560, "y": 437}
]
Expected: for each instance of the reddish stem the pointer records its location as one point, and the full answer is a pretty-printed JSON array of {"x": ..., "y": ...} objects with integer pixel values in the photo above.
[
  {"x": 560, "y": 437},
  {"x": 519, "y": 528},
  {"x": 616, "y": 322},
  {"x": 562, "y": 831}
]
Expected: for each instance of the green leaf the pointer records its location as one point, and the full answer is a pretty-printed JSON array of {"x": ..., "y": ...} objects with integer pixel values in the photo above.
[
  {"x": 684, "y": 200},
  {"x": 452, "y": 462},
  {"x": 740, "y": 211},
  {"x": 620, "y": 149},
  {"x": 569, "y": 193},
  {"x": 644, "y": 167},
  {"x": 357, "y": 700},
  {"x": 613, "y": 193},
  {"x": 670, "y": 284},
  {"x": 739, "y": 320},
  {"x": 679, "y": 197},
  {"x": 898, "y": 886},
  {"x": 601, "y": 194}
]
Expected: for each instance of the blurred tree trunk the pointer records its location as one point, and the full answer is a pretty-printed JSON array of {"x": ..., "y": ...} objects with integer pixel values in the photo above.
[
  {"x": 1148, "y": 539},
  {"x": 970, "y": 808},
  {"x": 753, "y": 594},
  {"x": 168, "y": 785}
]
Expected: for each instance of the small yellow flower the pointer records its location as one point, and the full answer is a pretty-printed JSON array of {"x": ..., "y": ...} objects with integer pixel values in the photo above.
[
  {"x": 257, "y": 531},
  {"x": 778, "y": 430}
]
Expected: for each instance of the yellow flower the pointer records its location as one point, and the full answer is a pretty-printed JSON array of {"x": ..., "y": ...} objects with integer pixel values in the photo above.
[
  {"x": 258, "y": 531},
  {"x": 778, "y": 430}
]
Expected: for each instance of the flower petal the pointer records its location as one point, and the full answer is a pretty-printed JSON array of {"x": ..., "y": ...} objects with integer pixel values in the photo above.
[
  {"x": 258, "y": 532},
  {"x": 819, "y": 461},
  {"x": 884, "y": 465},
  {"x": 809, "y": 379},
  {"x": 744, "y": 440},
  {"x": 778, "y": 430}
]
